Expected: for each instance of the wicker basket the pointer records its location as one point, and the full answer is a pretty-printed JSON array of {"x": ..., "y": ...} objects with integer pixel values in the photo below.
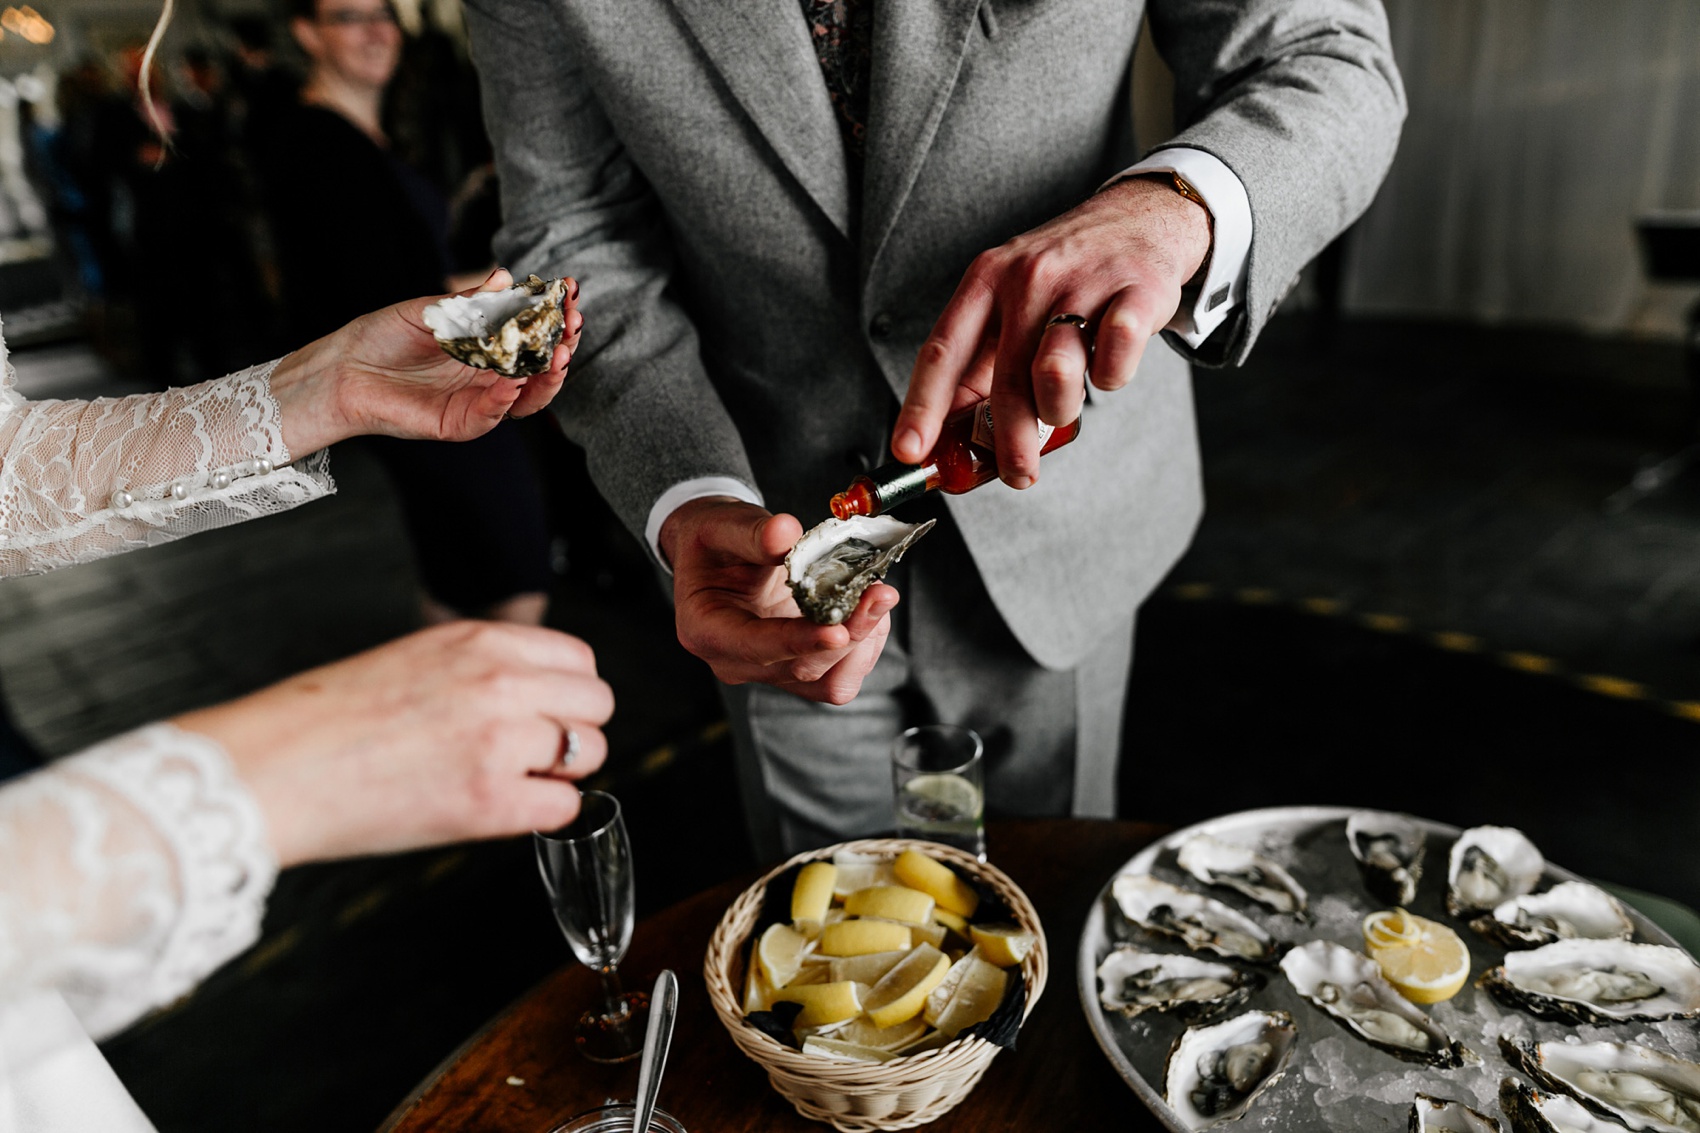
[{"x": 858, "y": 1097}]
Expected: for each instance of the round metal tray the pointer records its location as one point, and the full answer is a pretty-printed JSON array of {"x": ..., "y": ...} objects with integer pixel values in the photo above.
[{"x": 1335, "y": 1081}]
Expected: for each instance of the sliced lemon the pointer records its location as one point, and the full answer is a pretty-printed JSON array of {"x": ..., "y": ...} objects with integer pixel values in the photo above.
[
  {"x": 932, "y": 1040},
  {"x": 893, "y": 902},
  {"x": 833, "y": 1048},
  {"x": 811, "y": 896},
  {"x": 780, "y": 953},
  {"x": 814, "y": 970},
  {"x": 862, "y": 1032},
  {"x": 977, "y": 995},
  {"x": 823, "y": 1004},
  {"x": 869, "y": 968},
  {"x": 956, "y": 924},
  {"x": 758, "y": 993},
  {"x": 1004, "y": 945},
  {"x": 1423, "y": 959},
  {"x": 860, "y": 937},
  {"x": 903, "y": 992},
  {"x": 940, "y": 997},
  {"x": 918, "y": 871},
  {"x": 859, "y": 871}
]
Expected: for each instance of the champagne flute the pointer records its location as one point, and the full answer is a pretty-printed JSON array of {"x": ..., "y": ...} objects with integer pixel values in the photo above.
[{"x": 587, "y": 869}]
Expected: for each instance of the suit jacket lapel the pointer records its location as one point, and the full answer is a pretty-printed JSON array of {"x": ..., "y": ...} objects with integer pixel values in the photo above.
[
  {"x": 762, "y": 49},
  {"x": 918, "y": 48}
]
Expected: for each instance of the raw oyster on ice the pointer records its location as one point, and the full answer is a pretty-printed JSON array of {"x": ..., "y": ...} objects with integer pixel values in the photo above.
[
  {"x": 1215, "y": 862},
  {"x": 1133, "y": 982},
  {"x": 1214, "y": 1073},
  {"x": 1443, "y": 1115},
  {"x": 1640, "y": 1087},
  {"x": 1599, "y": 981},
  {"x": 1198, "y": 921},
  {"x": 1535, "y": 1111},
  {"x": 513, "y": 332},
  {"x": 834, "y": 562},
  {"x": 1349, "y": 986},
  {"x": 1389, "y": 851},
  {"x": 1568, "y": 911},
  {"x": 1490, "y": 865}
]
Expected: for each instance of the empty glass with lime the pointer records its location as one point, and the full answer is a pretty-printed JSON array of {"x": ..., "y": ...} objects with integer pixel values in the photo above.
[{"x": 938, "y": 784}]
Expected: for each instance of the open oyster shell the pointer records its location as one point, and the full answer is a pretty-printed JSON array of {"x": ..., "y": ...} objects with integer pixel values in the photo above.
[
  {"x": 1134, "y": 981},
  {"x": 1389, "y": 851},
  {"x": 833, "y": 563},
  {"x": 1443, "y": 1115},
  {"x": 1568, "y": 911},
  {"x": 1490, "y": 865},
  {"x": 1215, "y": 862},
  {"x": 1349, "y": 986},
  {"x": 1215, "y": 1073},
  {"x": 1536, "y": 1111},
  {"x": 1599, "y": 981},
  {"x": 1200, "y": 922},
  {"x": 1641, "y": 1087},
  {"x": 513, "y": 332}
]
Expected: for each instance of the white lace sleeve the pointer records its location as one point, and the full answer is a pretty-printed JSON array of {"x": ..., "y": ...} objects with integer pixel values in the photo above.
[
  {"x": 127, "y": 873},
  {"x": 82, "y": 480}
]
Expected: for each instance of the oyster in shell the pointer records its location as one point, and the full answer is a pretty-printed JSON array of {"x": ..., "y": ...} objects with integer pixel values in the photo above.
[
  {"x": 1533, "y": 1111},
  {"x": 1443, "y": 1115},
  {"x": 1389, "y": 851},
  {"x": 1198, "y": 921},
  {"x": 1640, "y": 1087},
  {"x": 834, "y": 562},
  {"x": 1568, "y": 911},
  {"x": 1349, "y": 986},
  {"x": 1134, "y": 981},
  {"x": 1599, "y": 981},
  {"x": 1215, "y": 1073},
  {"x": 1490, "y": 865},
  {"x": 1216, "y": 862},
  {"x": 513, "y": 331}
]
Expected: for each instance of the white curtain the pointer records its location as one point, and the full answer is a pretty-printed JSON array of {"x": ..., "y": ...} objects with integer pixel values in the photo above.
[{"x": 1538, "y": 131}]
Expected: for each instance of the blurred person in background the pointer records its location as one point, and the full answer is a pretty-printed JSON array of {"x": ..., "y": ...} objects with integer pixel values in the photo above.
[{"x": 355, "y": 227}]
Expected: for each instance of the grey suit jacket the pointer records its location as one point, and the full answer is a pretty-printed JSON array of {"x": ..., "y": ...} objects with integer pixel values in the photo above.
[{"x": 680, "y": 157}]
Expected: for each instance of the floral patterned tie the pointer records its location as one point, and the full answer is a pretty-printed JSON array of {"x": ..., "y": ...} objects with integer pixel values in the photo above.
[{"x": 842, "y": 31}]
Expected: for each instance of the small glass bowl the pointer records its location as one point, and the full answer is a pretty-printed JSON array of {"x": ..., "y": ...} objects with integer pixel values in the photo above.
[{"x": 618, "y": 1119}]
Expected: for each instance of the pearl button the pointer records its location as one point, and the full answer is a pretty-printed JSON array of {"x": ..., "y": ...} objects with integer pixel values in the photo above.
[
  {"x": 122, "y": 499},
  {"x": 263, "y": 467},
  {"x": 179, "y": 491},
  {"x": 221, "y": 480},
  {"x": 880, "y": 327}
]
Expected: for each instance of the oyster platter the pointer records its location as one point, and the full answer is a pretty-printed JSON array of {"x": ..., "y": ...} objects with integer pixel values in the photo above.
[{"x": 1330, "y": 969}]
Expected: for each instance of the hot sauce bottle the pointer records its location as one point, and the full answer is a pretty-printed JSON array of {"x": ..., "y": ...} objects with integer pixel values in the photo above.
[{"x": 963, "y": 459}]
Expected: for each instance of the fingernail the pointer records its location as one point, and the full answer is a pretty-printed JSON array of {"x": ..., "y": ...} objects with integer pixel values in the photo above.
[
  {"x": 1020, "y": 483},
  {"x": 909, "y": 444}
]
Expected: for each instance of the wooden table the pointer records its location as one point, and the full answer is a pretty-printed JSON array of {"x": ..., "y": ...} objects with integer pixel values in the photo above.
[{"x": 522, "y": 1075}]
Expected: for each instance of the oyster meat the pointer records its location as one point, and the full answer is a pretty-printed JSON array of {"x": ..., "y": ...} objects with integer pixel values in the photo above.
[
  {"x": 1533, "y": 1111},
  {"x": 1599, "y": 981},
  {"x": 1214, "y": 1073},
  {"x": 1134, "y": 981},
  {"x": 1389, "y": 851},
  {"x": 1349, "y": 986},
  {"x": 1568, "y": 911},
  {"x": 513, "y": 331},
  {"x": 1490, "y": 865},
  {"x": 1443, "y": 1115},
  {"x": 1198, "y": 921},
  {"x": 833, "y": 563},
  {"x": 1216, "y": 862},
  {"x": 1640, "y": 1087}
]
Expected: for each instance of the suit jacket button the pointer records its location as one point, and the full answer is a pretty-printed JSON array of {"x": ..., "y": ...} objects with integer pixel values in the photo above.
[{"x": 880, "y": 327}]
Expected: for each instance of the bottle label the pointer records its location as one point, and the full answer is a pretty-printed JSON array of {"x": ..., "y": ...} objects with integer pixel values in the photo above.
[{"x": 983, "y": 431}]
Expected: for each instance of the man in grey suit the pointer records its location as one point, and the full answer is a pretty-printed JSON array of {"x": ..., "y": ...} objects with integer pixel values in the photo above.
[{"x": 805, "y": 229}]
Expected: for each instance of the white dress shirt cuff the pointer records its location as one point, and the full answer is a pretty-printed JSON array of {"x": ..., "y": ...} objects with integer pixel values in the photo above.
[
  {"x": 683, "y": 493},
  {"x": 1224, "y": 195}
]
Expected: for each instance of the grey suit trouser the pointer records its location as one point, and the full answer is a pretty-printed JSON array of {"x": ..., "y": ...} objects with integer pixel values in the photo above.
[{"x": 812, "y": 774}]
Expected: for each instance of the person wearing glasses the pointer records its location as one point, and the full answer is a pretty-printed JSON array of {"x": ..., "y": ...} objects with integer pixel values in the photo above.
[{"x": 356, "y": 228}]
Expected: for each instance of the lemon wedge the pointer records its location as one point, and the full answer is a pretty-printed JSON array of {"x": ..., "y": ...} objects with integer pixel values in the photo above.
[
  {"x": 956, "y": 924},
  {"x": 1423, "y": 959},
  {"x": 1003, "y": 945},
  {"x": 939, "y": 999},
  {"x": 823, "y": 1004},
  {"x": 860, "y": 937},
  {"x": 903, "y": 992},
  {"x": 758, "y": 993},
  {"x": 869, "y": 968},
  {"x": 977, "y": 995},
  {"x": 918, "y": 871},
  {"x": 862, "y": 1032},
  {"x": 834, "y": 1048},
  {"x": 780, "y": 953},
  {"x": 812, "y": 895},
  {"x": 893, "y": 902}
]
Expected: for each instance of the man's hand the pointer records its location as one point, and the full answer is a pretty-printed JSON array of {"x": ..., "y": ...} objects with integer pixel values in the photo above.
[
  {"x": 735, "y": 609},
  {"x": 1119, "y": 259},
  {"x": 384, "y": 373}
]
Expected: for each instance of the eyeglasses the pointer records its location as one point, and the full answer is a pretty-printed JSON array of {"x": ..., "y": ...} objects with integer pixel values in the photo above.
[{"x": 350, "y": 19}]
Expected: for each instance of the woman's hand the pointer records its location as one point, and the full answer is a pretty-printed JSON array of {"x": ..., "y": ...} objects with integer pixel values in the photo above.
[
  {"x": 450, "y": 733},
  {"x": 384, "y": 373}
]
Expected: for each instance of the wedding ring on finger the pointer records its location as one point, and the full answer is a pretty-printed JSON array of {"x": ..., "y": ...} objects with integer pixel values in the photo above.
[
  {"x": 564, "y": 759},
  {"x": 1071, "y": 320}
]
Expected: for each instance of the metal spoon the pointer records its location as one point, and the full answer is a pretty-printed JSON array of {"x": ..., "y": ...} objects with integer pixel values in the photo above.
[{"x": 663, "y": 1006}]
